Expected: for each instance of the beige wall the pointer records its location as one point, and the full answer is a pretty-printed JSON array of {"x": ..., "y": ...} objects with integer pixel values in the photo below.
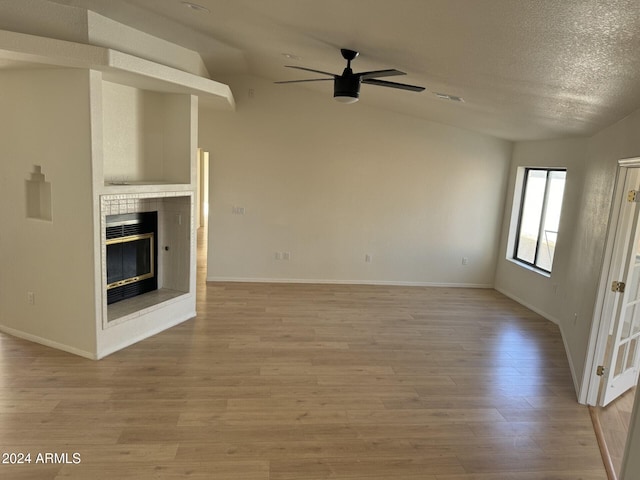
[
  {"x": 569, "y": 296},
  {"x": 53, "y": 259},
  {"x": 545, "y": 295},
  {"x": 331, "y": 183},
  {"x": 335, "y": 183}
]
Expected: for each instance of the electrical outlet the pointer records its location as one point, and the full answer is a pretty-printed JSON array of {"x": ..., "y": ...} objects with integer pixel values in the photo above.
[
  {"x": 238, "y": 210},
  {"x": 31, "y": 298},
  {"x": 465, "y": 260},
  {"x": 286, "y": 255},
  {"x": 368, "y": 258}
]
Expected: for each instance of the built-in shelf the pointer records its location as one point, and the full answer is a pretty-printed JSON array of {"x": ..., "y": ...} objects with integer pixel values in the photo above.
[
  {"x": 145, "y": 187},
  {"x": 147, "y": 136}
]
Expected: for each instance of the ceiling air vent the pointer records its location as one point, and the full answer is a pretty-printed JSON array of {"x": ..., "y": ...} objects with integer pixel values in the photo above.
[{"x": 453, "y": 98}]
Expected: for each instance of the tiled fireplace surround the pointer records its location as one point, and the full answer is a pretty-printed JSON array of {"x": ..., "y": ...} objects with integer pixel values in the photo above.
[{"x": 176, "y": 243}]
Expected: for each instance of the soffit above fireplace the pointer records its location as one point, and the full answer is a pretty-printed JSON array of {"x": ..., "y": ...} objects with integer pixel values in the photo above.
[{"x": 29, "y": 51}]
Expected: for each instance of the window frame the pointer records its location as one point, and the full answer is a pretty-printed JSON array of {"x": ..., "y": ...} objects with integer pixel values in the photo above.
[{"x": 523, "y": 196}]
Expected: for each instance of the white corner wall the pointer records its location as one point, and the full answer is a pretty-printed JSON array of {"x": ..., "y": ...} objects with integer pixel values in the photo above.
[
  {"x": 331, "y": 183},
  {"x": 539, "y": 292},
  {"x": 568, "y": 297},
  {"x": 53, "y": 259},
  {"x": 123, "y": 138}
]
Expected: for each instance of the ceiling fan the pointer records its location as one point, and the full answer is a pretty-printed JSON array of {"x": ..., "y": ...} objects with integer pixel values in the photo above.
[{"x": 346, "y": 87}]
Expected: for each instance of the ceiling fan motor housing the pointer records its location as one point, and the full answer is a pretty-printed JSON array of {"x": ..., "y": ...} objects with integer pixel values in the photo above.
[{"x": 346, "y": 86}]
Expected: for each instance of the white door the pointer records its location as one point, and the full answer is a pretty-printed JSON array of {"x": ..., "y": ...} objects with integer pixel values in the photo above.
[{"x": 623, "y": 354}]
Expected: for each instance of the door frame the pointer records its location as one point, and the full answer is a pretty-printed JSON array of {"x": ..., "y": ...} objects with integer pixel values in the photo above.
[{"x": 604, "y": 308}]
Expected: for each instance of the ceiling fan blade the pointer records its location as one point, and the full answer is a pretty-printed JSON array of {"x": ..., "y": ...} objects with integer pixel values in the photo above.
[
  {"x": 380, "y": 73},
  {"x": 307, "y": 80},
  {"x": 311, "y": 70},
  {"x": 401, "y": 86}
]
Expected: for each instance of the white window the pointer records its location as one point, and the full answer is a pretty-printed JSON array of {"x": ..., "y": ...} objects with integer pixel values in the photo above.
[{"x": 539, "y": 217}]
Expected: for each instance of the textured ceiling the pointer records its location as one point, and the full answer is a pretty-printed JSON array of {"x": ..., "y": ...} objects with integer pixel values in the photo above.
[{"x": 527, "y": 69}]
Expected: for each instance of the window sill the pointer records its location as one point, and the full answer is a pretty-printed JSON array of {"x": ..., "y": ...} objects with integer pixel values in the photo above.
[{"x": 530, "y": 268}]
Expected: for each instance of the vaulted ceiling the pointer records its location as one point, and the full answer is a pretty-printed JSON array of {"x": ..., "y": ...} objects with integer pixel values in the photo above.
[{"x": 526, "y": 69}]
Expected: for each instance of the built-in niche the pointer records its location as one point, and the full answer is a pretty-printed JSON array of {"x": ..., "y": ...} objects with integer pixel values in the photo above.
[
  {"x": 147, "y": 136},
  {"x": 38, "y": 191}
]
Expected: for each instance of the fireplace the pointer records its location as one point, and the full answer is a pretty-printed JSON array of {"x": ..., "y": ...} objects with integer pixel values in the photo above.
[{"x": 132, "y": 246}]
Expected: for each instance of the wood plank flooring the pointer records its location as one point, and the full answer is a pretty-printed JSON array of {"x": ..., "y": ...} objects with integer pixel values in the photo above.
[
  {"x": 614, "y": 420},
  {"x": 302, "y": 382}
]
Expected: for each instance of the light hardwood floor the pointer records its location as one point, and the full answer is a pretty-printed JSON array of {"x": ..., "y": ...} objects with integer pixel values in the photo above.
[
  {"x": 614, "y": 420},
  {"x": 302, "y": 382}
]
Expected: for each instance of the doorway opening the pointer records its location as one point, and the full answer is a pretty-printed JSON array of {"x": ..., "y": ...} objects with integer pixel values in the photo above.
[{"x": 202, "y": 211}]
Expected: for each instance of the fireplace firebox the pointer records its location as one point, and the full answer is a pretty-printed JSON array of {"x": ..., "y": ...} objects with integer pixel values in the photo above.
[{"x": 132, "y": 246}]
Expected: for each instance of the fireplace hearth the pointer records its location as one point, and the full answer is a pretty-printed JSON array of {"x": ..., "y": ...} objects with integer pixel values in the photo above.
[{"x": 132, "y": 246}]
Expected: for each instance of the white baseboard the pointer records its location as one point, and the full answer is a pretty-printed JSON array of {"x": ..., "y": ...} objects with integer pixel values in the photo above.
[
  {"x": 130, "y": 341},
  {"x": 553, "y": 319},
  {"x": 348, "y": 282},
  {"x": 47, "y": 343},
  {"x": 103, "y": 353},
  {"x": 515, "y": 298}
]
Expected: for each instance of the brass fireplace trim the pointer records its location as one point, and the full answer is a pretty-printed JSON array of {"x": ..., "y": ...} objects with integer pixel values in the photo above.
[{"x": 138, "y": 278}]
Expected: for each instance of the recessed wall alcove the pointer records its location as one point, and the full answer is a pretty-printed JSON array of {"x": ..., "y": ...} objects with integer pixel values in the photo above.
[{"x": 38, "y": 191}]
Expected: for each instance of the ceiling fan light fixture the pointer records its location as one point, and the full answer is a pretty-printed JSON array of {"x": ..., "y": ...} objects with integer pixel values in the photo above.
[
  {"x": 346, "y": 88},
  {"x": 346, "y": 98}
]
